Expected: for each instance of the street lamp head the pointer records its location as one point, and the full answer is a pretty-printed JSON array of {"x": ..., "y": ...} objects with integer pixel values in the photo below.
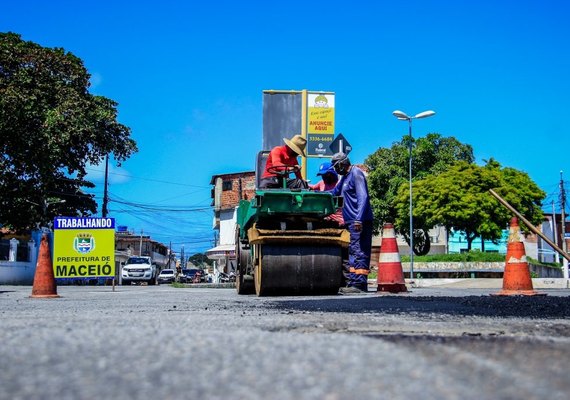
[
  {"x": 400, "y": 115},
  {"x": 425, "y": 114}
]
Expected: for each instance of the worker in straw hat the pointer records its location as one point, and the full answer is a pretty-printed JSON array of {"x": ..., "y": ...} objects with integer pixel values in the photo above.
[{"x": 281, "y": 161}]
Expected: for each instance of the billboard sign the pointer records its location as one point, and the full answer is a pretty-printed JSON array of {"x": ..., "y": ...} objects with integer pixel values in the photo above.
[
  {"x": 320, "y": 124},
  {"x": 84, "y": 247},
  {"x": 282, "y": 116}
]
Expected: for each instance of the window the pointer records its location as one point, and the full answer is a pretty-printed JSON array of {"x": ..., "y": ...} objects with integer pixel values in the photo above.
[{"x": 227, "y": 185}]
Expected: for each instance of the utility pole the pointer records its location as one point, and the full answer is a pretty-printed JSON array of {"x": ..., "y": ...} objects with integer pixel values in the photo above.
[
  {"x": 563, "y": 233},
  {"x": 169, "y": 254},
  {"x": 563, "y": 211},
  {"x": 140, "y": 247},
  {"x": 555, "y": 231},
  {"x": 104, "y": 209}
]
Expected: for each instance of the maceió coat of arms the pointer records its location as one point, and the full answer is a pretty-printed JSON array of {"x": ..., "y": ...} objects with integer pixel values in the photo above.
[{"x": 84, "y": 243}]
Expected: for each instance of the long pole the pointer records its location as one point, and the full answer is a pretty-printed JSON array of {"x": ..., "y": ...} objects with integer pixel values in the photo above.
[
  {"x": 404, "y": 117},
  {"x": 529, "y": 225},
  {"x": 563, "y": 212},
  {"x": 411, "y": 206},
  {"x": 563, "y": 222},
  {"x": 104, "y": 209},
  {"x": 169, "y": 254},
  {"x": 304, "y": 101},
  {"x": 557, "y": 259}
]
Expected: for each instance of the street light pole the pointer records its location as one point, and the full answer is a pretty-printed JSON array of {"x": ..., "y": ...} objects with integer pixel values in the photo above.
[
  {"x": 404, "y": 117},
  {"x": 411, "y": 139}
]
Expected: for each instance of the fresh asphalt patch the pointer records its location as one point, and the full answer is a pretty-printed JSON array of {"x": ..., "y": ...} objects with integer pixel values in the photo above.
[{"x": 539, "y": 307}]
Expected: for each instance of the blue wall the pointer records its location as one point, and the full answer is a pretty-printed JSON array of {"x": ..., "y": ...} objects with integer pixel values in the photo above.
[{"x": 458, "y": 243}]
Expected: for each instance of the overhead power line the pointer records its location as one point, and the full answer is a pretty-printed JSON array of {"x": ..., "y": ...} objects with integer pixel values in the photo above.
[
  {"x": 163, "y": 208},
  {"x": 151, "y": 179}
]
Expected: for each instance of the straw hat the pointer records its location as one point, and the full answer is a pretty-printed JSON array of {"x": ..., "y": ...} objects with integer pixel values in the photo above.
[{"x": 297, "y": 144}]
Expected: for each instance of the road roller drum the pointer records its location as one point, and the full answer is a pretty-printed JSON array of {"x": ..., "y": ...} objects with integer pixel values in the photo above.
[
  {"x": 298, "y": 269},
  {"x": 285, "y": 245}
]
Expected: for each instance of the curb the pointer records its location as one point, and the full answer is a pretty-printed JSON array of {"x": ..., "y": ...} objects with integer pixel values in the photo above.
[{"x": 230, "y": 285}]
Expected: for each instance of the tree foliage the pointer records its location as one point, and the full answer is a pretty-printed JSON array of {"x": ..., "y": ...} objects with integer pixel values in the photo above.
[
  {"x": 51, "y": 129},
  {"x": 389, "y": 170},
  {"x": 200, "y": 259},
  {"x": 459, "y": 199}
]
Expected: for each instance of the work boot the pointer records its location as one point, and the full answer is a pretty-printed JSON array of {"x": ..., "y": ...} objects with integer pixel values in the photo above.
[{"x": 350, "y": 290}]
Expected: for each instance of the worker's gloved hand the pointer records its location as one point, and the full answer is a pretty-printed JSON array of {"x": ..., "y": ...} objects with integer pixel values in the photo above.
[{"x": 357, "y": 226}]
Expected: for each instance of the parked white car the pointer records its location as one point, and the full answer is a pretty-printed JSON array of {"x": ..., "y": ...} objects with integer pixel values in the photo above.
[
  {"x": 139, "y": 269},
  {"x": 166, "y": 276}
]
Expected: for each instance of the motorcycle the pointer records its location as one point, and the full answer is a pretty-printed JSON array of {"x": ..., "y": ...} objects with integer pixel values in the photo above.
[{"x": 226, "y": 278}]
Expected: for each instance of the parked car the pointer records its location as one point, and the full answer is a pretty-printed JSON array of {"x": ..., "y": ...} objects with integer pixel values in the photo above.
[
  {"x": 190, "y": 275},
  {"x": 139, "y": 269},
  {"x": 166, "y": 276}
]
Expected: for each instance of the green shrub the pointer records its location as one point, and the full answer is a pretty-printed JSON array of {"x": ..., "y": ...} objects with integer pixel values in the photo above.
[
  {"x": 536, "y": 262},
  {"x": 471, "y": 256}
]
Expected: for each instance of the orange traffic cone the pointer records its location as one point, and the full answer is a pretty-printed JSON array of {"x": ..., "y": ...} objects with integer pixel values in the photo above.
[
  {"x": 516, "y": 278},
  {"x": 390, "y": 273},
  {"x": 44, "y": 279}
]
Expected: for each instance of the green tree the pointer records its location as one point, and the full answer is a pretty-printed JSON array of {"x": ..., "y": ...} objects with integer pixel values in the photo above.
[
  {"x": 459, "y": 199},
  {"x": 199, "y": 259},
  {"x": 51, "y": 129},
  {"x": 389, "y": 170}
]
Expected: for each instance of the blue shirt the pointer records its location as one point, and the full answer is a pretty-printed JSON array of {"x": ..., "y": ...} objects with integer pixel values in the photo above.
[{"x": 354, "y": 189}]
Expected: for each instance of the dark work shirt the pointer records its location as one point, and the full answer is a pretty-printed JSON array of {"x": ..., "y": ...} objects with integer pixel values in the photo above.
[{"x": 354, "y": 189}]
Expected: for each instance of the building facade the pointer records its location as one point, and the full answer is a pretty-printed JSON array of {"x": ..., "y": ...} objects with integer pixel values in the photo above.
[
  {"x": 227, "y": 191},
  {"x": 129, "y": 244}
]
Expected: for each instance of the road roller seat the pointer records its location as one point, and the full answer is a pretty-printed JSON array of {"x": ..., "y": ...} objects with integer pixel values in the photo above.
[{"x": 260, "y": 165}]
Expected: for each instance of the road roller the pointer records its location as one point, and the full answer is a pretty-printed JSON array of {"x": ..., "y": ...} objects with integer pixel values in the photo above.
[{"x": 285, "y": 245}]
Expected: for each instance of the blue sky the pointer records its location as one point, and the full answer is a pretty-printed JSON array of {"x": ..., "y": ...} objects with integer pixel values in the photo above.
[{"x": 188, "y": 77}]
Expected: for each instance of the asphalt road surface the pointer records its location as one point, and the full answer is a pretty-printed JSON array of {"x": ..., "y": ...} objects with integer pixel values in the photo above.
[{"x": 162, "y": 342}]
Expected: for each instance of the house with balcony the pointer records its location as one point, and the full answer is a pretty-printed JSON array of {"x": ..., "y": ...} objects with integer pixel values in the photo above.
[
  {"x": 131, "y": 244},
  {"x": 227, "y": 191}
]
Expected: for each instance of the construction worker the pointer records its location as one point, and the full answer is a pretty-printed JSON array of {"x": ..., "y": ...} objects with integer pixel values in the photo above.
[
  {"x": 329, "y": 179},
  {"x": 357, "y": 214},
  {"x": 286, "y": 157},
  {"x": 178, "y": 273}
]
